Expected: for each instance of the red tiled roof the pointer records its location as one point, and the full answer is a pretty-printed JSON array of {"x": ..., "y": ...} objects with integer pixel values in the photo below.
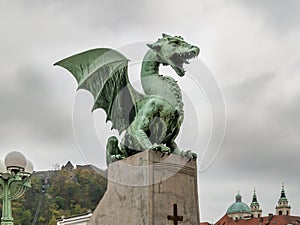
[{"x": 266, "y": 220}]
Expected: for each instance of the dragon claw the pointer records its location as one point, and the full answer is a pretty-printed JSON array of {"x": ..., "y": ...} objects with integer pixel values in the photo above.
[
  {"x": 161, "y": 148},
  {"x": 189, "y": 154},
  {"x": 117, "y": 157}
]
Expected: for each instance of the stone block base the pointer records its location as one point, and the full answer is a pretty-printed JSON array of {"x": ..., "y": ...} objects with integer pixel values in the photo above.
[{"x": 147, "y": 189}]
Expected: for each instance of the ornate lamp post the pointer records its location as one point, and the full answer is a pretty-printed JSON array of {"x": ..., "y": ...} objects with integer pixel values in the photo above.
[{"x": 14, "y": 181}]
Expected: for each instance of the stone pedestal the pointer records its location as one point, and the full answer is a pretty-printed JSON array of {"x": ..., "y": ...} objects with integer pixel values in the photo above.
[{"x": 147, "y": 189}]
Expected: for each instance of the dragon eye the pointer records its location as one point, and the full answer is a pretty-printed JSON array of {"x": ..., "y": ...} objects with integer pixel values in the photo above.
[{"x": 175, "y": 42}]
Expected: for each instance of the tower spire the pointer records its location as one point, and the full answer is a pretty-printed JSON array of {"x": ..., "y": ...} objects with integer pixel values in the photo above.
[
  {"x": 256, "y": 211},
  {"x": 283, "y": 207},
  {"x": 254, "y": 198},
  {"x": 282, "y": 195}
]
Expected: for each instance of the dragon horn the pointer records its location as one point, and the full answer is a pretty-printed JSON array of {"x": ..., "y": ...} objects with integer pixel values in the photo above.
[
  {"x": 166, "y": 35},
  {"x": 154, "y": 46}
]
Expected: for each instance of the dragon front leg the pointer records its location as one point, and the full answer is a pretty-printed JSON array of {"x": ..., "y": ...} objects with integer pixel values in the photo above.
[
  {"x": 144, "y": 141},
  {"x": 148, "y": 114}
]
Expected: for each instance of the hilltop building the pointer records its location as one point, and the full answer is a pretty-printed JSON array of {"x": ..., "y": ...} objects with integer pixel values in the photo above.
[{"x": 69, "y": 166}]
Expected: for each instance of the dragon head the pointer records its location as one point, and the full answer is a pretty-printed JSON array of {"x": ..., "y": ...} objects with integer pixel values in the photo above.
[{"x": 174, "y": 51}]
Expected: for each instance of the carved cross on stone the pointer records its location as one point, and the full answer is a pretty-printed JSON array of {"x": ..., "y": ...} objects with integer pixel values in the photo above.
[{"x": 175, "y": 217}]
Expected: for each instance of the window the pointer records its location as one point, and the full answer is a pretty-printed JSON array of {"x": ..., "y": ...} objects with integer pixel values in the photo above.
[{"x": 280, "y": 212}]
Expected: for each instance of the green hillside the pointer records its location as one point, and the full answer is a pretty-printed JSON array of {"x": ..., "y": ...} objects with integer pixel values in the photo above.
[{"x": 59, "y": 193}]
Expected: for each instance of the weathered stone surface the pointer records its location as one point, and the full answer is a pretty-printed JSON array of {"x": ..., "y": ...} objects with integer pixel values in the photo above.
[{"x": 143, "y": 188}]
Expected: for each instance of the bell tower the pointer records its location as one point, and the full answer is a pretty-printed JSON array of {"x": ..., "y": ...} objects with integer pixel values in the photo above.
[
  {"x": 283, "y": 207},
  {"x": 256, "y": 211}
]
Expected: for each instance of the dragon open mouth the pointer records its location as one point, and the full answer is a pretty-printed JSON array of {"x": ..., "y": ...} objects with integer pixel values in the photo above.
[{"x": 179, "y": 59}]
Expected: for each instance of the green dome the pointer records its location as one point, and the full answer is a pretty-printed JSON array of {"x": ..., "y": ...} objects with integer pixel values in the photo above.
[{"x": 238, "y": 206}]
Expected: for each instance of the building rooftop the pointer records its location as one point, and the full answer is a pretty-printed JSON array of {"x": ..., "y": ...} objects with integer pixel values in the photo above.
[
  {"x": 266, "y": 220},
  {"x": 238, "y": 206}
]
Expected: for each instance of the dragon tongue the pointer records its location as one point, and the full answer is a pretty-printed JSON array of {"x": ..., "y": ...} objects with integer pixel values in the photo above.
[{"x": 178, "y": 70}]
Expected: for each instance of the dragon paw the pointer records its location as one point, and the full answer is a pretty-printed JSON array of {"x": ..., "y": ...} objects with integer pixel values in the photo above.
[
  {"x": 189, "y": 154},
  {"x": 116, "y": 157},
  {"x": 161, "y": 148}
]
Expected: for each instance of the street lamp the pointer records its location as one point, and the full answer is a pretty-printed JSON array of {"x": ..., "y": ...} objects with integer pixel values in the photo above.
[{"x": 14, "y": 180}]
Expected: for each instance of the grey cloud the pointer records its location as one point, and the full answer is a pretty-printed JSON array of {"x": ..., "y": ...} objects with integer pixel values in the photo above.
[
  {"x": 289, "y": 115},
  {"x": 30, "y": 103},
  {"x": 252, "y": 89},
  {"x": 260, "y": 127},
  {"x": 282, "y": 16}
]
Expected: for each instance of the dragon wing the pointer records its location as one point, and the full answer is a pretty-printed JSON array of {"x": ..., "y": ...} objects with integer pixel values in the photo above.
[{"x": 103, "y": 72}]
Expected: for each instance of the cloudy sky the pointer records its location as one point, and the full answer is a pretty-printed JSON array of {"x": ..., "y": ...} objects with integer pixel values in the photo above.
[{"x": 251, "y": 48}]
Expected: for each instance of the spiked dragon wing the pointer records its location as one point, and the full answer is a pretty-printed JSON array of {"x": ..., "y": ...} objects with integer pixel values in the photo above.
[{"x": 103, "y": 72}]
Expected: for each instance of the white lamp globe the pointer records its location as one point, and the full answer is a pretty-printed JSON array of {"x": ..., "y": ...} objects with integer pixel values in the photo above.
[
  {"x": 2, "y": 167},
  {"x": 29, "y": 167},
  {"x": 15, "y": 160}
]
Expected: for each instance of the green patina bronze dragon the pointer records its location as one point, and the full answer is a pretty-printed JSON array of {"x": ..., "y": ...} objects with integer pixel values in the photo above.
[{"x": 151, "y": 120}]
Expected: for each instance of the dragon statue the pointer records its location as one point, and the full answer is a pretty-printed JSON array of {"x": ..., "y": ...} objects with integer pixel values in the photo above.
[{"x": 151, "y": 120}]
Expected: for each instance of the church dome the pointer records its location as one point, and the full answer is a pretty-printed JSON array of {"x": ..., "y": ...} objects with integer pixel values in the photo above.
[{"x": 238, "y": 206}]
